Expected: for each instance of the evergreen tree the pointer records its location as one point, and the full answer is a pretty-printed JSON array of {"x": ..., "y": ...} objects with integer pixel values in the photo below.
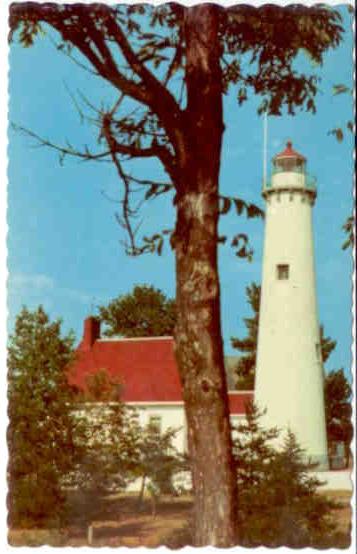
[
  {"x": 40, "y": 433},
  {"x": 339, "y": 410},
  {"x": 145, "y": 312},
  {"x": 279, "y": 504},
  {"x": 246, "y": 365}
]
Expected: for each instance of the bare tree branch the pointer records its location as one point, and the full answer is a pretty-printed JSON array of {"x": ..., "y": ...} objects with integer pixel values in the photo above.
[
  {"x": 155, "y": 150},
  {"x": 85, "y": 155}
]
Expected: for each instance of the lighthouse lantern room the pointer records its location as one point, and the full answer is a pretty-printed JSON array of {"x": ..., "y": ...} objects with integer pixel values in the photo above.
[{"x": 289, "y": 372}]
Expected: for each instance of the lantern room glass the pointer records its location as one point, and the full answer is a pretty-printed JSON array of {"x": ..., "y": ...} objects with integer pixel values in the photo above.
[{"x": 295, "y": 165}]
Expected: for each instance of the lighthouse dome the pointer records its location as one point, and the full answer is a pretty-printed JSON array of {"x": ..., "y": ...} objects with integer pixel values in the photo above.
[
  {"x": 289, "y": 174},
  {"x": 289, "y": 160}
]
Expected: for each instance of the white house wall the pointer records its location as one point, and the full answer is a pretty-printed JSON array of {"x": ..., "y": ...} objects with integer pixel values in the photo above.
[{"x": 172, "y": 416}]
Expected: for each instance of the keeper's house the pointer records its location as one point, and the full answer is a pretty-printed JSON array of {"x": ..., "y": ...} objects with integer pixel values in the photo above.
[{"x": 147, "y": 371}]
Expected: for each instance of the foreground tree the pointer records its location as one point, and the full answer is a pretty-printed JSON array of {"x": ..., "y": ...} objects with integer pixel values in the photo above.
[
  {"x": 107, "y": 435},
  {"x": 158, "y": 461},
  {"x": 145, "y": 312},
  {"x": 138, "y": 49},
  {"x": 40, "y": 431}
]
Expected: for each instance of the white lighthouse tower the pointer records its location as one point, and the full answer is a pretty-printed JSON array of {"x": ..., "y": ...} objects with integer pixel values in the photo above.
[{"x": 289, "y": 373}]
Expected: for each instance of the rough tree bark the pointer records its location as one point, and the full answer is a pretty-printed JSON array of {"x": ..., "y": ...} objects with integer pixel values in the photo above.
[
  {"x": 199, "y": 348},
  {"x": 193, "y": 163}
]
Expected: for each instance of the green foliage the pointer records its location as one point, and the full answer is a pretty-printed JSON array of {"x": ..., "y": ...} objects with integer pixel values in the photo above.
[
  {"x": 112, "y": 448},
  {"x": 244, "y": 31},
  {"x": 328, "y": 345},
  {"x": 258, "y": 50},
  {"x": 278, "y": 500},
  {"x": 338, "y": 409},
  {"x": 102, "y": 387},
  {"x": 145, "y": 312},
  {"x": 158, "y": 460},
  {"x": 349, "y": 229},
  {"x": 40, "y": 438},
  {"x": 106, "y": 437},
  {"x": 246, "y": 364}
]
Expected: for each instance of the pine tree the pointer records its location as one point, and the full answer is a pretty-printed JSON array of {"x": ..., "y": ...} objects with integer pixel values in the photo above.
[
  {"x": 339, "y": 410},
  {"x": 246, "y": 366},
  {"x": 279, "y": 504},
  {"x": 40, "y": 433}
]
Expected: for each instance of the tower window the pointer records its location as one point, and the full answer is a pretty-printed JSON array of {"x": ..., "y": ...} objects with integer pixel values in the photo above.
[{"x": 282, "y": 272}]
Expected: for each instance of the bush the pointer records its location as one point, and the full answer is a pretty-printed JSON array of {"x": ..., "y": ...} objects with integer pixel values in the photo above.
[{"x": 278, "y": 500}]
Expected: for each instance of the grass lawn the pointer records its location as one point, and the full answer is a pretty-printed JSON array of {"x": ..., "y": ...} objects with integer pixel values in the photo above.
[{"x": 117, "y": 521}]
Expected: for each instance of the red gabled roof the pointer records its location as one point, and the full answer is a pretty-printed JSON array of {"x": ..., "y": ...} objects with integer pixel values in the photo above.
[
  {"x": 145, "y": 367},
  {"x": 289, "y": 152}
]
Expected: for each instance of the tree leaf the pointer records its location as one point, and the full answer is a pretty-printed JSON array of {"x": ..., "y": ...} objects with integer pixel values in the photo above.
[
  {"x": 240, "y": 205},
  {"x": 340, "y": 89},
  {"x": 225, "y": 204}
]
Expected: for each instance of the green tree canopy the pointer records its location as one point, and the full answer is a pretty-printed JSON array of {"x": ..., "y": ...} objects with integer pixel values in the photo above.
[
  {"x": 338, "y": 393},
  {"x": 107, "y": 435},
  {"x": 248, "y": 346},
  {"x": 40, "y": 438},
  {"x": 279, "y": 500},
  {"x": 145, "y": 312}
]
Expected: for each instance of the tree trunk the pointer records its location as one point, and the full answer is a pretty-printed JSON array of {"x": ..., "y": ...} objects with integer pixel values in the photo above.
[
  {"x": 142, "y": 491},
  {"x": 199, "y": 348}
]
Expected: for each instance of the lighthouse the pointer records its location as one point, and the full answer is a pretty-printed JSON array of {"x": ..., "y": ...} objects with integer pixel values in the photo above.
[{"x": 289, "y": 372}]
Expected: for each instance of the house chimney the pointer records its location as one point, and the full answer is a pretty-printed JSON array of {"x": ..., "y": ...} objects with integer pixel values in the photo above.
[{"x": 91, "y": 332}]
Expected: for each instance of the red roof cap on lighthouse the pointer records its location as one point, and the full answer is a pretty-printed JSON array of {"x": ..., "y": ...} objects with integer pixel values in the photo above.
[{"x": 289, "y": 152}]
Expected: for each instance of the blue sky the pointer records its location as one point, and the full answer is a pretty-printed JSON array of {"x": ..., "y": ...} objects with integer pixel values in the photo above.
[{"x": 64, "y": 248}]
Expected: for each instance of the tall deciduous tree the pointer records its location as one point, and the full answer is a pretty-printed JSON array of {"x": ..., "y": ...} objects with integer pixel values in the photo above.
[
  {"x": 40, "y": 431},
  {"x": 138, "y": 50},
  {"x": 145, "y": 312}
]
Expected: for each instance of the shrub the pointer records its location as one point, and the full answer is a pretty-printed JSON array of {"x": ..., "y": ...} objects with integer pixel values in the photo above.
[{"x": 278, "y": 500}]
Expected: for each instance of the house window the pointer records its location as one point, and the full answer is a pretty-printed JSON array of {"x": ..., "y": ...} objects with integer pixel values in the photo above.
[
  {"x": 282, "y": 271},
  {"x": 155, "y": 423}
]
